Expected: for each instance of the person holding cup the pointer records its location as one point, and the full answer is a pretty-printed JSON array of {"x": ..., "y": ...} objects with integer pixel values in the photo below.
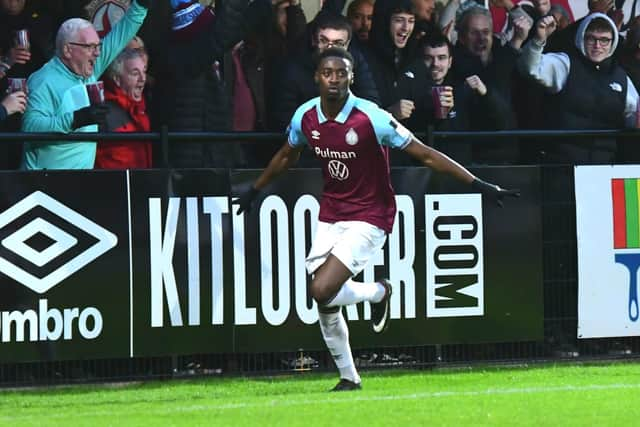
[
  {"x": 14, "y": 102},
  {"x": 445, "y": 102},
  {"x": 58, "y": 95},
  {"x": 27, "y": 34}
]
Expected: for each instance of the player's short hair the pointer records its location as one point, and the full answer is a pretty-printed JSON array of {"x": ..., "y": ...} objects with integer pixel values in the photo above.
[{"x": 335, "y": 52}]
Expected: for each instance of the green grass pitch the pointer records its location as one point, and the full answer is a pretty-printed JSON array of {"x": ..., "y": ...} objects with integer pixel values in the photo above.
[{"x": 551, "y": 395}]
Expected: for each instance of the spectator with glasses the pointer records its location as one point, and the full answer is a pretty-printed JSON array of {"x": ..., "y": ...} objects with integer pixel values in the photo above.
[
  {"x": 586, "y": 88},
  {"x": 58, "y": 99}
]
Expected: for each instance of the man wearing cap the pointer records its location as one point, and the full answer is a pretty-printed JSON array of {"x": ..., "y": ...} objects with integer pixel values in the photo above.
[
  {"x": 196, "y": 97},
  {"x": 58, "y": 99}
]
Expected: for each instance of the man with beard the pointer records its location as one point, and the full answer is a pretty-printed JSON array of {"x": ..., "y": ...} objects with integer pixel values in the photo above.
[
  {"x": 58, "y": 99},
  {"x": 586, "y": 88},
  {"x": 351, "y": 137},
  {"x": 360, "y": 14}
]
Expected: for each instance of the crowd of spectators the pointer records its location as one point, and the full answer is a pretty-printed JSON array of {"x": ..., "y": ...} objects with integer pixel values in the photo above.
[{"x": 240, "y": 65}]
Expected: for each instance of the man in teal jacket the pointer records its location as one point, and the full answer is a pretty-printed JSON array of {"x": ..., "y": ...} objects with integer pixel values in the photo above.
[{"x": 58, "y": 100}]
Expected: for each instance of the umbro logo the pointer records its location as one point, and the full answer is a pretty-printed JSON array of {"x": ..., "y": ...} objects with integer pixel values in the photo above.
[
  {"x": 615, "y": 87},
  {"x": 26, "y": 258},
  {"x": 315, "y": 134}
]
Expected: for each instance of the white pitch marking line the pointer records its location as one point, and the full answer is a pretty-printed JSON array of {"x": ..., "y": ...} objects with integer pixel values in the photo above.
[{"x": 339, "y": 398}]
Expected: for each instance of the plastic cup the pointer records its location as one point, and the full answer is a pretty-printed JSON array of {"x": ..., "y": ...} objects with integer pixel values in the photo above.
[
  {"x": 95, "y": 92},
  {"x": 16, "y": 85},
  {"x": 22, "y": 39},
  {"x": 439, "y": 112}
]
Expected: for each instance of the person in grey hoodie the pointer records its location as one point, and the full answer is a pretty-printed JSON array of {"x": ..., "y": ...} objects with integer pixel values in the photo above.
[{"x": 586, "y": 89}]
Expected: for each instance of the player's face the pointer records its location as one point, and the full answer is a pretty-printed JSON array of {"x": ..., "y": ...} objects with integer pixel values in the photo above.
[
  {"x": 334, "y": 76},
  {"x": 401, "y": 27},
  {"x": 438, "y": 62}
]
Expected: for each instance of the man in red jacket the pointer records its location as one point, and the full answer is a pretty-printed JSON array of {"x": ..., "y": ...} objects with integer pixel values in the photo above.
[{"x": 123, "y": 87}]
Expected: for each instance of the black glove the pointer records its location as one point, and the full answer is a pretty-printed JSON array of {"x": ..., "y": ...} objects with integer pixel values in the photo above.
[
  {"x": 91, "y": 115},
  {"x": 144, "y": 3},
  {"x": 246, "y": 200},
  {"x": 493, "y": 191}
]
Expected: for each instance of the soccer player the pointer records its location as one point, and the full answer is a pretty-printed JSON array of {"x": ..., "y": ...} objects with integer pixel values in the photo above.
[{"x": 350, "y": 137}]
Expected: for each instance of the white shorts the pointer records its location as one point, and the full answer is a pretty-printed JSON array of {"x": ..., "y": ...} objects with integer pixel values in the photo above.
[{"x": 352, "y": 242}]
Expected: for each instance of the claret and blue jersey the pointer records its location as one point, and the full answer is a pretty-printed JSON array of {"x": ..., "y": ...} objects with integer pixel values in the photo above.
[{"x": 354, "y": 155}]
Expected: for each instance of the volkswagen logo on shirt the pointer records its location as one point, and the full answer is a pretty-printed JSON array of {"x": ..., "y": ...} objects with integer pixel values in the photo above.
[{"x": 338, "y": 170}]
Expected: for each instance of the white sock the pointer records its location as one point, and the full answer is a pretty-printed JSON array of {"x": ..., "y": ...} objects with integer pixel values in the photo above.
[
  {"x": 353, "y": 292},
  {"x": 336, "y": 336}
]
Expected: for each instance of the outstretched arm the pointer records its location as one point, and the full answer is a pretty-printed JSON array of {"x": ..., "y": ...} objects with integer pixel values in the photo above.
[
  {"x": 286, "y": 157},
  {"x": 439, "y": 162},
  {"x": 280, "y": 162}
]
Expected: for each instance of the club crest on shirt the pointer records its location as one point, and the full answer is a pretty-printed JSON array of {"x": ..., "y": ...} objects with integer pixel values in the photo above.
[
  {"x": 615, "y": 86},
  {"x": 351, "y": 137}
]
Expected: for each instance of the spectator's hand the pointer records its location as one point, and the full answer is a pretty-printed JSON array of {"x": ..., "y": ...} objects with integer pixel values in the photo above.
[
  {"x": 447, "y": 29},
  {"x": 476, "y": 84},
  {"x": 544, "y": 28},
  {"x": 15, "y": 102},
  {"x": 402, "y": 109},
  {"x": 521, "y": 27},
  {"x": 505, "y": 4},
  {"x": 602, "y": 6},
  {"x": 446, "y": 97},
  {"x": 91, "y": 115},
  {"x": 246, "y": 199},
  {"x": 19, "y": 55},
  {"x": 493, "y": 191}
]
